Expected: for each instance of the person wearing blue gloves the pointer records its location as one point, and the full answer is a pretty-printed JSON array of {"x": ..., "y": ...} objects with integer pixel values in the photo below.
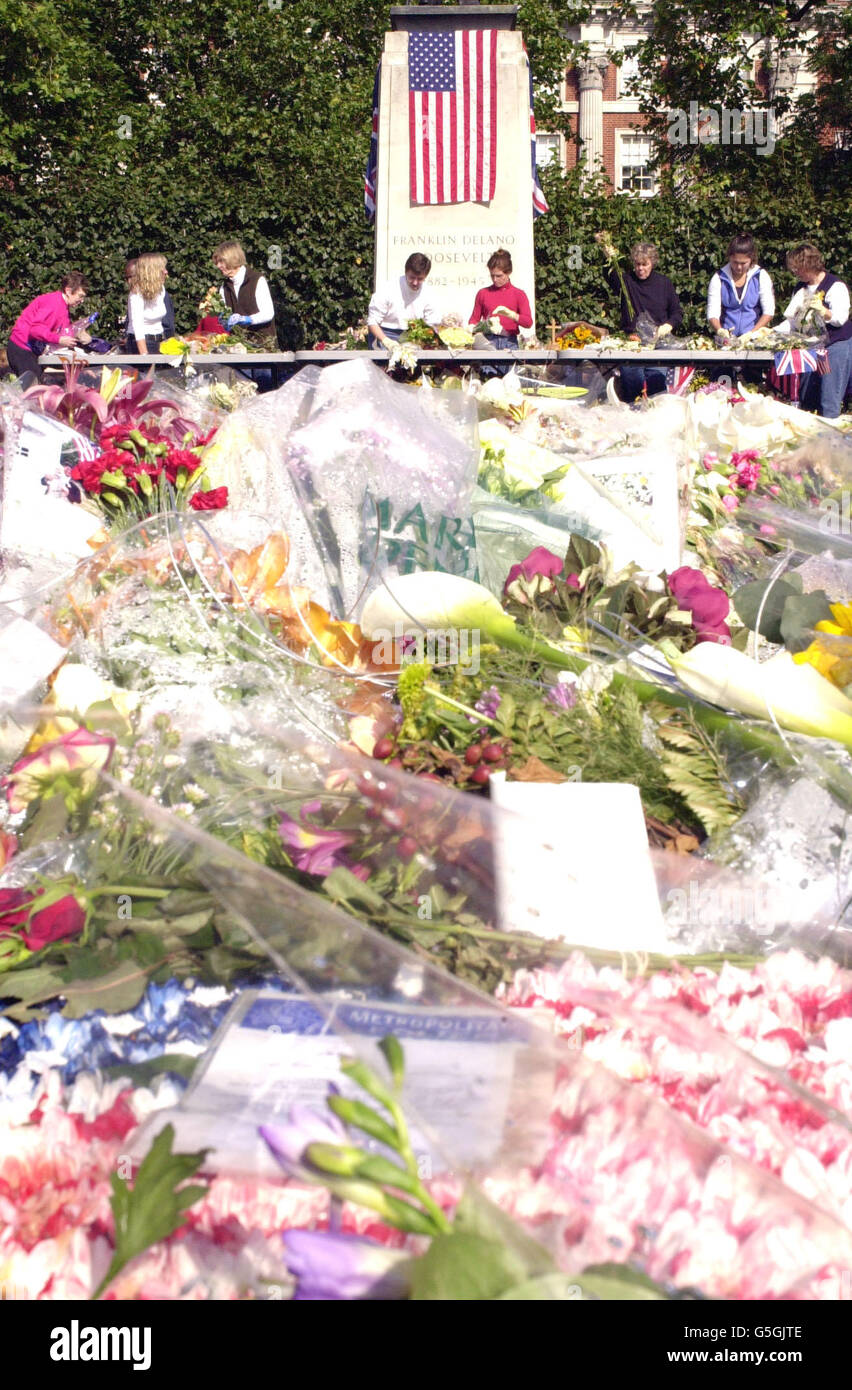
[{"x": 246, "y": 296}]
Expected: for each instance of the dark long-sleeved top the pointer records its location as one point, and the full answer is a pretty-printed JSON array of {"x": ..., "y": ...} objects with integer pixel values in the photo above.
[{"x": 655, "y": 296}]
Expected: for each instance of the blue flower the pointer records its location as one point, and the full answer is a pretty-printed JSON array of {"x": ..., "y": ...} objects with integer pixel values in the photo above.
[{"x": 332, "y": 1267}]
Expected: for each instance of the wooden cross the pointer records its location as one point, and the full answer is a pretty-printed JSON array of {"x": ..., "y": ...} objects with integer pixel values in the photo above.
[{"x": 553, "y": 327}]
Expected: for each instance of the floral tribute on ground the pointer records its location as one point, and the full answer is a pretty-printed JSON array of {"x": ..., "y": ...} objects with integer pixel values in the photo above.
[{"x": 334, "y": 729}]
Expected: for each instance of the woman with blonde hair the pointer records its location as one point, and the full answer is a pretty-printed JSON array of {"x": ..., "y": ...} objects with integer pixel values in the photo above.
[
  {"x": 146, "y": 303},
  {"x": 246, "y": 296},
  {"x": 822, "y": 393}
]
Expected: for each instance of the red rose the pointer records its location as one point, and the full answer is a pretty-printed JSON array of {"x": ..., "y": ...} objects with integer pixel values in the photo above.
[
  {"x": 540, "y": 561},
  {"x": 211, "y": 501},
  {"x": 53, "y": 923}
]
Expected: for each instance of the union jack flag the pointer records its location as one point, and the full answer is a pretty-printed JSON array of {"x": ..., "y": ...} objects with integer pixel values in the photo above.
[
  {"x": 373, "y": 156},
  {"x": 540, "y": 204},
  {"x": 799, "y": 360}
]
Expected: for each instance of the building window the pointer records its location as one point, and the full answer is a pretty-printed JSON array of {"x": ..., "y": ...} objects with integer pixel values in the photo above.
[
  {"x": 546, "y": 148},
  {"x": 628, "y": 71},
  {"x": 633, "y": 171}
]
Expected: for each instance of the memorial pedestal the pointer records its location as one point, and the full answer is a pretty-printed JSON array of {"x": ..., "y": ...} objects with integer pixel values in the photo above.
[{"x": 458, "y": 237}]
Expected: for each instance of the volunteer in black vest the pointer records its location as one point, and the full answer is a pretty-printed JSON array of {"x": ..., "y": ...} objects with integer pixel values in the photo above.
[
  {"x": 246, "y": 296},
  {"x": 823, "y": 393}
]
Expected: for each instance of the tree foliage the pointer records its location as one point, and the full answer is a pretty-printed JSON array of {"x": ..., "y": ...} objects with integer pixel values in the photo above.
[{"x": 164, "y": 125}]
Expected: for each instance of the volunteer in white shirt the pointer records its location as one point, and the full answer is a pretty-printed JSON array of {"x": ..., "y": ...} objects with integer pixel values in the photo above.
[
  {"x": 823, "y": 393},
  {"x": 245, "y": 293},
  {"x": 397, "y": 302},
  {"x": 146, "y": 303}
]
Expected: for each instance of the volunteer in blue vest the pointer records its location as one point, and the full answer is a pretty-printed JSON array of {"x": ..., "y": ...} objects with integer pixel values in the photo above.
[
  {"x": 740, "y": 296},
  {"x": 823, "y": 393}
]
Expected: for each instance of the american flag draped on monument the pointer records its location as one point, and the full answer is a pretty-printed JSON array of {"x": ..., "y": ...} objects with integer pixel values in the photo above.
[{"x": 452, "y": 118}]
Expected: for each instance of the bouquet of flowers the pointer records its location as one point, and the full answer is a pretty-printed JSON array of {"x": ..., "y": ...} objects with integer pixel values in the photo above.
[
  {"x": 211, "y": 305},
  {"x": 420, "y": 334},
  {"x": 138, "y": 473}
]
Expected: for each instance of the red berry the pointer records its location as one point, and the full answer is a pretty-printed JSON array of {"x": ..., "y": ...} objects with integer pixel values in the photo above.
[
  {"x": 473, "y": 755},
  {"x": 383, "y": 748},
  {"x": 480, "y": 776},
  {"x": 492, "y": 753},
  {"x": 407, "y": 847},
  {"x": 395, "y": 762}
]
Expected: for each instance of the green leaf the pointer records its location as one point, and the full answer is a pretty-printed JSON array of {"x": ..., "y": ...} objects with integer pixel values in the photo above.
[
  {"x": 475, "y": 1215},
  {"x": 103, "y": 717},
  {"x": 153, "y": 1208},
  {"x": 116, "y": 992},
  {"x": 551, "y": 1287},
  {"x": 343, "y": 886},
  {"x": 464, "y": 1267},
  {"x": 141, "y": 1073},
  {"x": 615, "y": 1281},
  {"x": 801, "y": 614},
  {"x": 748, "y": 600},
  {"x": 49, "y": 822}
]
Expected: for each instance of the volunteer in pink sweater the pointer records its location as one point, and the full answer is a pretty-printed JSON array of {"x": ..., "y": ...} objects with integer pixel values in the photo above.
[
  {"x": 503, "y": 301},
  {"x": 46, "y": 322}
]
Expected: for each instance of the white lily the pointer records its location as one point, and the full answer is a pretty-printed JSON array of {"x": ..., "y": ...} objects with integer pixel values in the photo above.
[
  {"x": 798, "y": 697},
  {"x": 433, "y": 601},
  {"x": 76, "y": 688},
  {"x": 110, "y": 382}
]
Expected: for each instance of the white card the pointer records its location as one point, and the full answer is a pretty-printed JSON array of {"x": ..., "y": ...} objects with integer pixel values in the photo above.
[
  {"x": 28, "y": 655},
  {"x": 466, "y": 1075},
  {"x": 572, "y": 861}
]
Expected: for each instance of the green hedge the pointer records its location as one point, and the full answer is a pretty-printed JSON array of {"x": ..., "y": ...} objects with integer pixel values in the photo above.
[
  {"x": 251, "y": 119},
  {"x": 691, "y": 234}
]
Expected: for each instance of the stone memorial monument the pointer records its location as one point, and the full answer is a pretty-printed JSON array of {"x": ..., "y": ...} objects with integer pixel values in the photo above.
[{"x": 454, "y": 176}]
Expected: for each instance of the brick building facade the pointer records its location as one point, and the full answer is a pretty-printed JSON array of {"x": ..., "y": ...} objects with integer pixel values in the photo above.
[{"x": 606, "y": 117}]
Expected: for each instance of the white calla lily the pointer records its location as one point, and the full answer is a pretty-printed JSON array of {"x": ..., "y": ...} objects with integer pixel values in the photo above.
[
  {"x": 798, "y": 697},
  {"x": 433, "y": 601}
]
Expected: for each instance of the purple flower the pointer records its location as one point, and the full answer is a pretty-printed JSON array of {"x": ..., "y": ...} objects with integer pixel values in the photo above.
[
  {"x": 288, "y": 1142},
  {"x": 331, "y": 1267},
  {"x": 489, "y": 702},
  {"x": 563, "y": 695},
  {"x": 540, "y": 561},
  {"x": 316, "y": 849}
]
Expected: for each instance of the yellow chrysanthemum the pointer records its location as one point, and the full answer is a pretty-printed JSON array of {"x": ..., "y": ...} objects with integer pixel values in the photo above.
[
  {"x": 842, "y": 625},
  {"x": 832, "y": 659}
]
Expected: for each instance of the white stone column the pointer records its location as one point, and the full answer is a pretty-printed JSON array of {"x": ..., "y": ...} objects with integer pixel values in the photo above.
[
  {"x": 458, "y": 237},
  {"x": 590, "y": 116}
]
